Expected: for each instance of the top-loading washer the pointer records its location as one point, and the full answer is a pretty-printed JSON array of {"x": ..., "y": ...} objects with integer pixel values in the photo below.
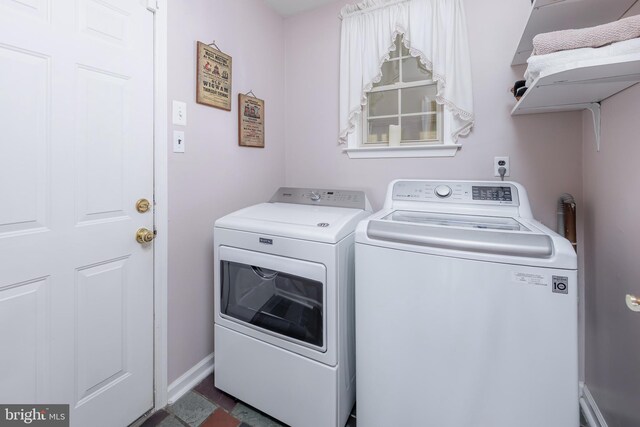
[
  {"x": 284, "y": 297},
  {"x": 466, "y": 311}
]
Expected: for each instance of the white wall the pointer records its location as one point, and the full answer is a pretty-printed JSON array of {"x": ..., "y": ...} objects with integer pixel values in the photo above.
[
  {"x": 215, "y": 176},
  {"x": 545, "y": 150}
]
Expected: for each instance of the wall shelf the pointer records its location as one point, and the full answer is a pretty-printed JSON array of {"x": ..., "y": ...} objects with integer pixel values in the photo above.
[
  {"x": 589, "y": 82},
  {"x": 594, "y": 81},
  {"x": 580, "y": 88},
  {"x": 554, "y": 15}
]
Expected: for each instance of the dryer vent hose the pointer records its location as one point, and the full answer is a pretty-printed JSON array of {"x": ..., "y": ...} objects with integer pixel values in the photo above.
[{"x": 567, "y": 219}]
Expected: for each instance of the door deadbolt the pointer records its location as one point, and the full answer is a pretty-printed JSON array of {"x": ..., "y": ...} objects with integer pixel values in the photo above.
[
  {"x": 143, "y": 205},
  {"x": 144, "y": 235}
]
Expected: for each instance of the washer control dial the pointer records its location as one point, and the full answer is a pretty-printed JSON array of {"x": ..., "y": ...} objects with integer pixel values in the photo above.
[
  {"x": 443, "y": 191},
  {"x": 315, "y": 196}
]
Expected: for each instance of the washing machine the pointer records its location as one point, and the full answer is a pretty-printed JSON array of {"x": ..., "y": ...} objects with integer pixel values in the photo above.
[
  {"x": 284, "y": 305},
  {"x": 466, "y": 311}
]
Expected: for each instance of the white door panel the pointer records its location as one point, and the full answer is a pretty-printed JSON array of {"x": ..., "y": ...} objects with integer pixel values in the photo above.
[
  {"x": 76, "y": 289},
  {"x": 24, "y": 188},
  {"x": 38, "y": 9},
  {"x": 24, "y": 316},
  {"x": 102, "y": 127}
]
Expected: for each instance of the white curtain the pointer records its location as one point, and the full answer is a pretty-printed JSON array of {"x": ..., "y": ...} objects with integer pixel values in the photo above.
[{"x": 434, "y": 31}]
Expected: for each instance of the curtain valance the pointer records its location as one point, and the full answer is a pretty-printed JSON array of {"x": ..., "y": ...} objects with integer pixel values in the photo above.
[{"x": 434, "y": 31}]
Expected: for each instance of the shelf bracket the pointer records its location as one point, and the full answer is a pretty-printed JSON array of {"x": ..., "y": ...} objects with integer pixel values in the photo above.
[{"x": 595, "y": 112}]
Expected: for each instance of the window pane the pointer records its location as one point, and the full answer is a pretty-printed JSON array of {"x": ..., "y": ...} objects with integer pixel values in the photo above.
[
  {"x": 379, "y": 129},
  {"x": 383, "y": 103},
  {"x": 414, "y": 71},
  {"x": 403, "y": 50},
  {"x": 420, "y": 128},
  {"x": 398, "y": 43},
  {"x": 421, "y": 99},
  {"x": 390, "y": 73}
]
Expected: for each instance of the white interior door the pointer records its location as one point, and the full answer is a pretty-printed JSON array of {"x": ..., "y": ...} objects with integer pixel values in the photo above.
[{"x": 76, "y": 153}]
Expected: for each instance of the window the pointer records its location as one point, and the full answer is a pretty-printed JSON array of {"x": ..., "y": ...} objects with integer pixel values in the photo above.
[
  {"x": 401, "y": 109},
  {"x": 402, "y": 117}
]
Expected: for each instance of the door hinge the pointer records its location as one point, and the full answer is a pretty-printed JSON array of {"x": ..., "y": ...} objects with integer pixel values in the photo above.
[{"x": 152, "y": 5}]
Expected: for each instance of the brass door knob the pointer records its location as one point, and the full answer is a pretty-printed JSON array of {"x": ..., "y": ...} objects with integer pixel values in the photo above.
[
  {"x": 144, "y": 235},
  {"x": 633, "y": 303}
]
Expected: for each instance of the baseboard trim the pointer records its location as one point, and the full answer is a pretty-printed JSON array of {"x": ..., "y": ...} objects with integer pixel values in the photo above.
[
  {"x": 190, "y": 379},
  {"x": 590, "y": 409}
]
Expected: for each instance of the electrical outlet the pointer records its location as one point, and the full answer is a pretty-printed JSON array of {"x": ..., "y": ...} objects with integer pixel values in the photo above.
[{"x": 501, "y": 162}]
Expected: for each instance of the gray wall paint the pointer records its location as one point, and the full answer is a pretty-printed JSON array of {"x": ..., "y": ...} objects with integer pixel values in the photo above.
[{"x": 215, "y": 176}]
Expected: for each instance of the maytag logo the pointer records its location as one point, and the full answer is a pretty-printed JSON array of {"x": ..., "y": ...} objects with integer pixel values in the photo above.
[
  {"x": 266, "y": 241},
  {"x": 34, "y": 415}
]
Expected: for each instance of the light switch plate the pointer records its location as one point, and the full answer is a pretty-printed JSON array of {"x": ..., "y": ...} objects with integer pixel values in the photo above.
[
  {"x": 178, "y": 141},
  {"x": 179, "y": 113}
]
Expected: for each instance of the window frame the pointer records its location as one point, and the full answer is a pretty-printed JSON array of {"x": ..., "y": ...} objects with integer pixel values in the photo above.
[{"x": 443, "y": 146}]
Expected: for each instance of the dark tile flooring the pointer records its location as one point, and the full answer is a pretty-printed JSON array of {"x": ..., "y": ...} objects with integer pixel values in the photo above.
[{"x": 206, "y": 406}]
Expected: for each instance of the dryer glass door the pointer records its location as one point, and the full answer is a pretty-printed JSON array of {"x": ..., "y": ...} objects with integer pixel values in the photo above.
[{"x": 272, "y": 300}]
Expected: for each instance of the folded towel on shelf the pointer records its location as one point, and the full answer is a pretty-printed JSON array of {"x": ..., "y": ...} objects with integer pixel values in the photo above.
[
  {"x": 565, "y": 60},
  {"x": 602, "y": 35}
]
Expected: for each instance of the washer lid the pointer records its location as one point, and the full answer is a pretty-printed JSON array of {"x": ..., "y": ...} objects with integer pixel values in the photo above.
[
  {"x": 468, "y": 233},
  {"x": 316, "y": 223}
]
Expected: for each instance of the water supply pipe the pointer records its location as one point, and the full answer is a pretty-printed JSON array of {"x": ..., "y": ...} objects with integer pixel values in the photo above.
[{"x": 567, "y": 219}]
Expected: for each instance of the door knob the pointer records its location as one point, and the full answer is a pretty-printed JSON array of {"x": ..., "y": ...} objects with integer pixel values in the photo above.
[
  {"x": 633, "y": 303},
  {"x": 144, "y": 235}
]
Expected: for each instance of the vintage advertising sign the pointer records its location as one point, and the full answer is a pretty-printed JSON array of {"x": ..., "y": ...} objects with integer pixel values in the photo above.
[
  {"x": 214, "y": 77},
  {"x": 251, "y": 121}
]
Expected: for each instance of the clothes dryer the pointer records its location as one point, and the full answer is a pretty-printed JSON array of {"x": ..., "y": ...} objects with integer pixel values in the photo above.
[{"x": 284, "y": 305}]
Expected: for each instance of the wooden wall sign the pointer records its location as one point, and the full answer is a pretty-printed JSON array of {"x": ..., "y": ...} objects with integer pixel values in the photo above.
[
  {"x": 250, "y": 121},
  {"x": 214, "y": 77}
]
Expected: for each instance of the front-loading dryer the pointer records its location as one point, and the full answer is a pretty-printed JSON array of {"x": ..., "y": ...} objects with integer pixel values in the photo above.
[{"x": 284, "y": 305}]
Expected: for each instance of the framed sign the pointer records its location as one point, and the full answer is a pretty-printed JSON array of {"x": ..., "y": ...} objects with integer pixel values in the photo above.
[
  {"x": 214, "y": 77},
  {"x": 250, "y": 121}
]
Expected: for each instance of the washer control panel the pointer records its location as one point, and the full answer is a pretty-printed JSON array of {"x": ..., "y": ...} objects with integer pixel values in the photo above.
[
  {"x": 456, "y": 192},
  {"x": 311, "y": 196}
]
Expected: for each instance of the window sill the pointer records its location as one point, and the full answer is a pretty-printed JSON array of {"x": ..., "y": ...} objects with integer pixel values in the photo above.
[{"x": 440, "y": 150}]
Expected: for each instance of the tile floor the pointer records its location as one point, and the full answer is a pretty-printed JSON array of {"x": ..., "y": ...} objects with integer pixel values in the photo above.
[{"x": 206, "y": 406}]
